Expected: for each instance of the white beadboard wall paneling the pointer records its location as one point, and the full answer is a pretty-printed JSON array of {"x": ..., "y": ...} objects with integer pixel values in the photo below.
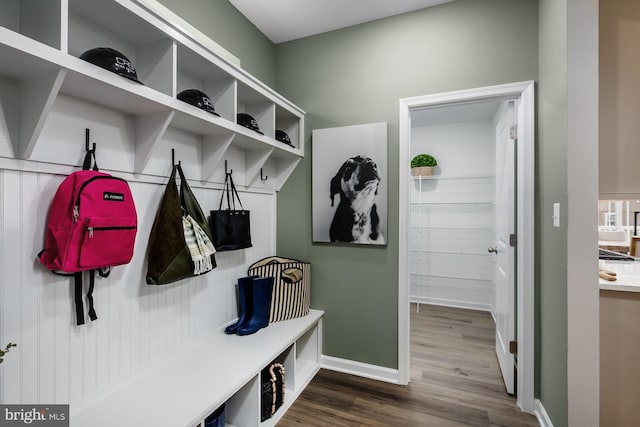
[
  {"x": 49, "y": 334},
  {"x": 11, "y": 290},
  {"x": 139, "y": 327}
]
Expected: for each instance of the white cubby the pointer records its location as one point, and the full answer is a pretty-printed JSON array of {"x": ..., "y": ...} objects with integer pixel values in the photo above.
[
  {"x": 307, "y": 356},
  {"x": 196, "y": 72},
  {"x": 40, "y": 49},
  {"x": 290, "y": 124},
  {"x": 99, "y": 23},
  {"x": 225, "y": 369},
  {"x": 35, "y": 19},
  {"x": 259, "y": 107}
]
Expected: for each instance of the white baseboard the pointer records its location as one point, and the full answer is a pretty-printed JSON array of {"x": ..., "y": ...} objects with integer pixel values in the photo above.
[
  {"x": 541, "y": 414},
  {"x": 359, "y": 369}
]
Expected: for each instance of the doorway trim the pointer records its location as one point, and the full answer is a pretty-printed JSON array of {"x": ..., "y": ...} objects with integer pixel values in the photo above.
[{"x": 525, "y": 224}]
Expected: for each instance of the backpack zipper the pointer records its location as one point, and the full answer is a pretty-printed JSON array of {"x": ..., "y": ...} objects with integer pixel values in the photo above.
[
  {"x": 122, "y": 227},
  {"x": 76, "y": 207}
]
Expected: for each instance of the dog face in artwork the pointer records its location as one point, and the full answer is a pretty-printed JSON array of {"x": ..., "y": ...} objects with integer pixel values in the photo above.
[{"x": 356, "y": 218}]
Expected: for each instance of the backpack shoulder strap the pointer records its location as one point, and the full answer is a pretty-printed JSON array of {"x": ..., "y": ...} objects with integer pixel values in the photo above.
[
  {"x": 77, "y": 296},
  {"x": 77, "y": 283},
  {"x": 92, "y": 280}
]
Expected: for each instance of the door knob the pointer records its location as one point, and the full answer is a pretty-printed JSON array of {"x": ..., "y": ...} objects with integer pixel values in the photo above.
[{"x": 493, "y": 250}]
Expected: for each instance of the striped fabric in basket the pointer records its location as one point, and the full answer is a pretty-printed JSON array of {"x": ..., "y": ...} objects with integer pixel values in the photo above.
[{"x": 291, "y": 295}]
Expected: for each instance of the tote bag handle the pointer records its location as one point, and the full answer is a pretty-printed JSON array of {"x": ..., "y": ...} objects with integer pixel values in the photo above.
[{"x": 231, "y": 193}]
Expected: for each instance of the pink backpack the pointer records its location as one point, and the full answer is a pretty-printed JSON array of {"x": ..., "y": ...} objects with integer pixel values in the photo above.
[{"x": 92, "y": 225}]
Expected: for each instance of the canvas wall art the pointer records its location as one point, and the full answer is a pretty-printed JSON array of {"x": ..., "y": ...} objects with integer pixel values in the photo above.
[{"x": 349, "y": 180}]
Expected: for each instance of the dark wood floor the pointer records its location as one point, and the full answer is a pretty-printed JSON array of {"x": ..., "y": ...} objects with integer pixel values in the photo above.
[{"x": 455, "y": 381}]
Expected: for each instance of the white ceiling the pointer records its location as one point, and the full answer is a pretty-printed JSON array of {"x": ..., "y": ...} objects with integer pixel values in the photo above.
[{"x": 284, "y": 20}]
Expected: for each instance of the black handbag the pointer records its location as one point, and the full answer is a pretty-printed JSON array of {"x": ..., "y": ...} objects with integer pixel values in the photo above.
[
  {"x": 230, "y": 227},
  {"x": 170, "y": 259}
]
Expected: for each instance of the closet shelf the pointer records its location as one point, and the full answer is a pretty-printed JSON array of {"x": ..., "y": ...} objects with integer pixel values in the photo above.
[
  {"x": 451, "y": 276},
  {"x": 450, "y": 227},
  {"x": 450, "y": 177},
  {"x": 454, "y": 203},
  {"x": 431, "y": 251}
]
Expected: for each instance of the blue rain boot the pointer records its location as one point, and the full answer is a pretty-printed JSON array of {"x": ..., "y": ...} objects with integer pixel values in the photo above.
[
  {"x": 245, "y": 296},
  {"x": 216, "y": 419},
  {"x": 259, "y": 318}
]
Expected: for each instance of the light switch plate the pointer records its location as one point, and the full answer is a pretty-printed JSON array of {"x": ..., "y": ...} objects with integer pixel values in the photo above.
[{"x": 556, "y": 215}]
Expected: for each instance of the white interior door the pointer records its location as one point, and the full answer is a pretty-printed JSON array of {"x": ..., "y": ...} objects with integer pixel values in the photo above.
[{"x": 504, "y": 252}]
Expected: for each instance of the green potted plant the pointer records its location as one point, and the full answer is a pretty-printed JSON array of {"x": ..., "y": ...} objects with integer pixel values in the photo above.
[
  {"x": 6, "y": 350},
  {"x": 423, "y": 164}
]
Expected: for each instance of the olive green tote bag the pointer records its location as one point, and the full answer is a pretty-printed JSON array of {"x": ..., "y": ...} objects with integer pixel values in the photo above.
[{"x": 169, "y": 257}]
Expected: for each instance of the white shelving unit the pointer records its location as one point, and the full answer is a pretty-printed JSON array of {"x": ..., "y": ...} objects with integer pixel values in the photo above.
[
  {"x": 40, "y": 70},
  {"x": 450, "y": 229},
  {"x": 223, "y": 369},
  {"x": 40, "y": 43}
]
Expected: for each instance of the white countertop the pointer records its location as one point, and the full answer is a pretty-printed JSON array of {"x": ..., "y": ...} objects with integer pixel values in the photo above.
[{"x": 627, "y": 276}]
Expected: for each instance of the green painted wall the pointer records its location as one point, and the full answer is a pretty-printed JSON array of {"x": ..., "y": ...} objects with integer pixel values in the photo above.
[
  {"x": 551, "y": 355},
  {"x": 222, "y": 22},
  {"x": 356, "y": 75}
]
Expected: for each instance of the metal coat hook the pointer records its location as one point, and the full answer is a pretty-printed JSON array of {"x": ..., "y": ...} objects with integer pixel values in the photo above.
[
  {"x": 86, "y": 141},
  {"x": 227, "y": 172},
  {"x": 173, "y": 158},
  {"x": 263, "y": 178}
]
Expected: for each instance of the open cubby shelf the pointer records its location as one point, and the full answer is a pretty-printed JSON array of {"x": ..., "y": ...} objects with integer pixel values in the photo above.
[
  {"x": 40, "y": 45},
  {"x": 222, "y": 369}
]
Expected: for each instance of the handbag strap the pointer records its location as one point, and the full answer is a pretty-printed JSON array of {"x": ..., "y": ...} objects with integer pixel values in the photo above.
[
  {"x": 184, "y": 185},
  {"x": 226, "y": 190},
  {"x": 235, "y": 192},
  {"x": 231, "y": 192},
  {"x": 189, "y": 203},
  {"x": 86, "y": 165}
]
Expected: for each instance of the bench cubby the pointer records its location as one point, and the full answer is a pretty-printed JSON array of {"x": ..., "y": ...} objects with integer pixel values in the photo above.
[{"x": 224, "y": 369}]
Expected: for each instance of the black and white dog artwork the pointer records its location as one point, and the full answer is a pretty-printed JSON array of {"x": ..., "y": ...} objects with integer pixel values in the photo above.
[{"x": 356, "y": 218}]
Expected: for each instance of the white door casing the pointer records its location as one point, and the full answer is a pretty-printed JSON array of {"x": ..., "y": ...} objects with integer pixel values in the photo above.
[
  {"x": 504, "y": 253},
  {"x": 525, "y": 220}
]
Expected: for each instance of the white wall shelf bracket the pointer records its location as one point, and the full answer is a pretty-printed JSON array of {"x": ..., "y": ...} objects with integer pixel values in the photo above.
[
  {"x": 254, "y": 161},
  {"x": 36, "y": 99},
  {"x": 213, "y": 149},
  {"x": 149, "y": 130},
  {"x": 285, "y": 169}
]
